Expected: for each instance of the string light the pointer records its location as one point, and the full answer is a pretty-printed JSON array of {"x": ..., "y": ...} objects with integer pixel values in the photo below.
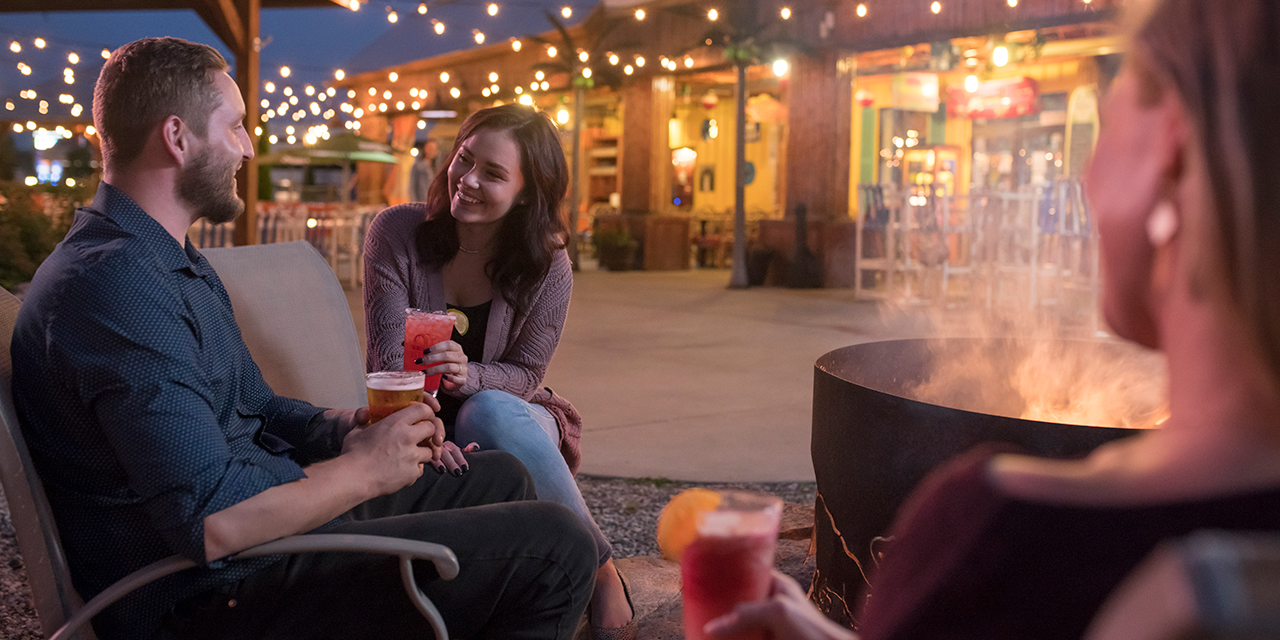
[
  {"x": 393, "y": 76},
  {"x": 628, "y": 70},
  {"x": 66, "y": 98},
  {"x": 310, "y": 90},
  {"x": 613, "y": 58},
  {"x": 293, "y": 100},
  {"x": 785, "y": 13},
  {"x": 862, "y": 11},
  {"x": 89, "y": 130},
  {"x": 400, "y": 105},
  {"x": 24, "y": 69},
  {"x": 539, "y": 75},
  {"x": 493, "y": 76},
  {"x": 15, "y": 47},
  {"x": 586, "y": 73},
  {"x": 73, "y": 58},
  {"x": 780, "y": 68},
  {"x": 485, "y": 92},
  {"x": 444, "y": 76},
  {"x": 284, "y": 72},
  {"x": 392, "y": 17},
  {"x": 439, "y": 26},
  {"x": 639, "y": 61},
  {"x": 493, "y": 9},
  {"x": 515, "y": 45},
  {"x": 543, "y": 85},
  {"x": 551, "y": 52},
  {"x": 479, "y": 37},
  {"x": 526, "y": 100},
  {"x": 8, "y": 104},
  {"x": 936, "y": 7},
  {"x": 288, "y": 91},
  {"x": 583, "y": 56},
  {"x": 351, "y": 93},
  {"x": 422, "y": 9},
  {"x": 639, "y": 14},
  {"x": 713, "y": 15},
  {"x": 494, "y": 88},
  {"x": 40, "y": 43},
  {"x": 688, "y": 62},
  {"x": 455, "y": 92},
  {"x": 266, "y": 104},
  {"x": 339, "y": 74},
  {"x": 106, "y": 54},
  {"x": 566, "y": 11},
  {"x": 373, "y": 91},
  {"x": 386, "y": 95},
  {"x": 355, "y": 6},
  {"x": 519, "y": 89}
]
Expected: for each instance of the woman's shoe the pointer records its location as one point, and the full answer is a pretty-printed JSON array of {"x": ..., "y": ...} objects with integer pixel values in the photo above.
[{"x": 628, "y": 631}]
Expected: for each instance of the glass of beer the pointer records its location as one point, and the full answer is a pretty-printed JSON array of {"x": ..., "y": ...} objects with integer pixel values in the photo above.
[{"x": 391, "y": 391}]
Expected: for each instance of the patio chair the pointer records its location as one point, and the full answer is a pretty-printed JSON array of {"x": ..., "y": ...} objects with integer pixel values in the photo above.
[
  {"x": 294, "y": 316},
  {"x": 62, "y": 614},
  {"x": 1210, "y": 585}
]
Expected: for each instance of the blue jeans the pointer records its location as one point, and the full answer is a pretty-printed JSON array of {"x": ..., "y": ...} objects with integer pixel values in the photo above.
[{"x": 498, "y": 420}]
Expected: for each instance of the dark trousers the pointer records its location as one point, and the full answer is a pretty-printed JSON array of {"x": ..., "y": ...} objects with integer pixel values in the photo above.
[{"x": 527, "y": 569}]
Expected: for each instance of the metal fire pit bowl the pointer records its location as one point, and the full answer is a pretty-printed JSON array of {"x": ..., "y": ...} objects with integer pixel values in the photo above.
[{"x": 872, "y": 444}]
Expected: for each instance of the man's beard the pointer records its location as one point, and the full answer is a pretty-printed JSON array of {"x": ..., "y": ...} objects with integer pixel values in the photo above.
[{"x": 206, "y": 188}]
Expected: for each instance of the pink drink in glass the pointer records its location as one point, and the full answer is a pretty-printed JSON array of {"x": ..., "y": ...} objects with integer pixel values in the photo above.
[
  {"x": 730, "y": 561},
  {"x": 422, "y": 330}
]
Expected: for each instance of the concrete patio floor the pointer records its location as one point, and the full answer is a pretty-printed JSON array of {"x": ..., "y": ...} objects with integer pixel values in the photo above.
[{"x": 679, "y": 377}]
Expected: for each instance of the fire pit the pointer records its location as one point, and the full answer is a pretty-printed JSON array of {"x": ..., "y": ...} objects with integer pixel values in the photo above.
[{"x": 875, "y": 436}]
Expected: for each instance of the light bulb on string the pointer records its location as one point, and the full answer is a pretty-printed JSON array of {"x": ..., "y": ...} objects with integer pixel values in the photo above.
[
  {"x": 515, "y": 45},
  {"x": 439, "y": 27},
  {"x": 106, "y": 54},
  {"x": 493, "y": 9},
  {"x": 444, "y": 76},
  {"x": 422, "y": 9},
  {"x": 583, "y": 56},
  {"x": 566, "y": 11},
  {"x": 393, "y": 17},
  {"x": 493, "y": 76},
  {"x": 73, "y": 58},
  {"x": 639, "y": 14},
  {"x": 284, "y": 72},
  {"x": 40, "y": 43},
  {"x": 785, "y": 13},
  {"x": 713, "y": 15},
  {"x": 479, "y": 36},
  {"x": 551, "y": 52},
  {"x": 16, "y": 47},
  {"x": 339, "y": 74}
]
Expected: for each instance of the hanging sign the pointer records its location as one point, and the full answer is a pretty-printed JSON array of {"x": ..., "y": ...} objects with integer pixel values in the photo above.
[
  {"x": 914, "y": 92},
  {"x": 993, "y": 99}
]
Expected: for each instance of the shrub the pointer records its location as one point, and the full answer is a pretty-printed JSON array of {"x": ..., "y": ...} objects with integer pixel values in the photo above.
[{"x": 33, "y": 220}]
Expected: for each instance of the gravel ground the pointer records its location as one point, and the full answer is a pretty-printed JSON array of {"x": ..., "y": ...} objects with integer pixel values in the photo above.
[{"x": 626, "y": 509}]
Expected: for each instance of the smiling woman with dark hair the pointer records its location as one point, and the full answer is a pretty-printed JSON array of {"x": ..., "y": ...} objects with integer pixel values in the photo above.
[{"x": 488, "y": 246}]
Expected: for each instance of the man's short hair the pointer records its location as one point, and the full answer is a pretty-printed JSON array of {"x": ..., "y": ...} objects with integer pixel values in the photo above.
[{"x": 146, "y": 81}]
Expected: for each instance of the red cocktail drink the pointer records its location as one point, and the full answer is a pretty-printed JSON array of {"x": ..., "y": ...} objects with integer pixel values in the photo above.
[
  {"x": 730, "y": 561},
  {"x": 423, "y": 329}
]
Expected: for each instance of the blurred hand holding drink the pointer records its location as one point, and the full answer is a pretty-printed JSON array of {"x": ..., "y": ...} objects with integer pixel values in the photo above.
[
  {"x": 391, "y": 391},
  {"x": 422, "y": 330},
  {"x": 730, "y": 561}
]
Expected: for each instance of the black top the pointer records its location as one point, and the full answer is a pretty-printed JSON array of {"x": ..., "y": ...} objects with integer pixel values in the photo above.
[
  {"x": 472, "y": 341},
  {"x": 970, "y": 561}
]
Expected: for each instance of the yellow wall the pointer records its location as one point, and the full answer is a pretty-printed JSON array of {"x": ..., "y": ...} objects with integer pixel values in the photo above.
[{"x": 761, "y": 194}]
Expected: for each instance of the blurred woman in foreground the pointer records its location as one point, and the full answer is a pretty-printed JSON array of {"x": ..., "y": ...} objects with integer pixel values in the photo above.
[{"x": 1185, "y": 186}]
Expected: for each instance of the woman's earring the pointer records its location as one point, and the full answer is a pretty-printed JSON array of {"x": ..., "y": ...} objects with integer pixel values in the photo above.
[{"x": 1162, "y": 225}]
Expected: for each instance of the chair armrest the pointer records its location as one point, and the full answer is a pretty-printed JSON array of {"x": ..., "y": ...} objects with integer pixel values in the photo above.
[{"x": 446, "y": 564}]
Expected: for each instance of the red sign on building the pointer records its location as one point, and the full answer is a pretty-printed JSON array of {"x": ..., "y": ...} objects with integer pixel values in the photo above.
[{"x": 1005, "y": 98}]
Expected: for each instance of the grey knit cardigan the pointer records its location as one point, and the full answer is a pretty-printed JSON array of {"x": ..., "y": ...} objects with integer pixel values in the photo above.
[{"x": 517, "y": 349}]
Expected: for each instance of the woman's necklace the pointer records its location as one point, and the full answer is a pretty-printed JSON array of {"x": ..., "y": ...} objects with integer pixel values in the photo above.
[{"x": 466, "y": 250}]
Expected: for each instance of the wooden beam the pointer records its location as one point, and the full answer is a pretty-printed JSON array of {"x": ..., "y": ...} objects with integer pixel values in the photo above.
[
  {"x": 225, "y": 21},
  {"x": 246, "y": 231}
]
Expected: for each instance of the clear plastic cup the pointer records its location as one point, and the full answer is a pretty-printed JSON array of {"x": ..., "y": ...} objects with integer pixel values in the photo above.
[
  {"x": 731, "y": 560},
  {"x": 422, "y": 330}
]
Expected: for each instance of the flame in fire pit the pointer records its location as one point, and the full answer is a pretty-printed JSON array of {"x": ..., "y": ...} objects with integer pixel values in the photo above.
[{"x": 1104, "y": 384}]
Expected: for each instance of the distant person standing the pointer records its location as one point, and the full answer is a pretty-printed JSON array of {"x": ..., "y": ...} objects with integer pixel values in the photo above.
[{"x": 424, "y": 170}]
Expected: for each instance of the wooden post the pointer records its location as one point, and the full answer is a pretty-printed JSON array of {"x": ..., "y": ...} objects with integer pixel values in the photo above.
[{"x": 247, "y": 78}]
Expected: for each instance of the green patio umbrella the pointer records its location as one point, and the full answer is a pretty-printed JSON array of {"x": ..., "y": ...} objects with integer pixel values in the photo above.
[{"x": 340, "y": 149}]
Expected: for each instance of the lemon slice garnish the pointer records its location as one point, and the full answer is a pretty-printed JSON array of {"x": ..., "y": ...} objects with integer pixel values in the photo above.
[{"x": 460, "y": 321}]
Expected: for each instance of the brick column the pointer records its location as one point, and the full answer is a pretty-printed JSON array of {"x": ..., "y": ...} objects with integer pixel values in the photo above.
[
  {"x": 819, "y": 122},
  {"x": 645, "y": 176}
]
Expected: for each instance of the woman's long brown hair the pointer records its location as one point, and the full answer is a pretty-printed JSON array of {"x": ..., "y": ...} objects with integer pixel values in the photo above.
[{"x": 1222, "y": 58}]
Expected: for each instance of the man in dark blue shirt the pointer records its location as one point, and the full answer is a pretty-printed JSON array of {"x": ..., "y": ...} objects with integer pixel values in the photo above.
[{"x": 154, "y": 432}]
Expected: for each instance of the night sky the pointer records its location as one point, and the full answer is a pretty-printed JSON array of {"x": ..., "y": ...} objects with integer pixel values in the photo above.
[{"x": 312, "y": 42}]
